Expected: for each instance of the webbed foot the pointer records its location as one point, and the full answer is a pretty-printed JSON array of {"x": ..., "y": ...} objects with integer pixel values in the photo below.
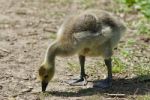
[
  {"x": 78, "y": 82},
  {"x": 106, "y": 83}
]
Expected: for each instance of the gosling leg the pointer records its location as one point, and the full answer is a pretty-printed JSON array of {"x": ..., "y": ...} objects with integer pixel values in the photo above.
[
  {"x": 83, "y": 77},
  {"x": 108, "y": 81}
]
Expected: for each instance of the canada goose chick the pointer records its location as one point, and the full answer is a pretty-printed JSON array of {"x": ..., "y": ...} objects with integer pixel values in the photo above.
[{"x": 91, "y": 33}]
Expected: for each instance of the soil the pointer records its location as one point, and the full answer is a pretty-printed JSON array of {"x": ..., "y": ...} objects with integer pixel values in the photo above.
[{"x": 27, "y": 27}]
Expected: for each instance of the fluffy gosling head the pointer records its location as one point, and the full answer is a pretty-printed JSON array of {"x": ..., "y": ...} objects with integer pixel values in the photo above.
[{"x": 45, "y": 74}]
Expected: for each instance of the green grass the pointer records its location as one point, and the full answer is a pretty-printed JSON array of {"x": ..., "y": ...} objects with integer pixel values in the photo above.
[
  {"x": 140, "y": 8},
  {"x": 144, "y": 97},
  {"x": 63, "y": 2},
  {"x": 118, "y": 66},
  {"x": 73, "y": 67},
  {"x": 52, "y": 36},
  {"x": 142, "y": 70},
  {"x": 143, "y": 27},
  {"x": 131, "y": 41},
  {"x": 88, "y": 3}
]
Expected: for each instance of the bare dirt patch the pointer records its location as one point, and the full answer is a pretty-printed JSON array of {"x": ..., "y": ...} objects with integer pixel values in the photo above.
[{"x": 26, "y": 29}]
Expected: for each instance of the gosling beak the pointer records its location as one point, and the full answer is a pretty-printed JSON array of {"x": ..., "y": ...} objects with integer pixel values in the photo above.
[{"x": 44, "y": 85}]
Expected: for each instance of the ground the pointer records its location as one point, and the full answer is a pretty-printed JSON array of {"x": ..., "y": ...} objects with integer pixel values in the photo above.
[{"x": 27, "y": 27}]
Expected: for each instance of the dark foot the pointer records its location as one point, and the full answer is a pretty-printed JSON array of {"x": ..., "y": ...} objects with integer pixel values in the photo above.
[
  {"x": 78, "y": 82},
  {"x": 103, "y": 84}
]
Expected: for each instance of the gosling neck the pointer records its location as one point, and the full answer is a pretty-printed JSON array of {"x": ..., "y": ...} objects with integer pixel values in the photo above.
[{"x": 50, "y": 56}]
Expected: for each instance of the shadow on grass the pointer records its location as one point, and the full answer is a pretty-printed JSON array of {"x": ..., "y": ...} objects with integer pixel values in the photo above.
[{"x": 119, "y": 86}]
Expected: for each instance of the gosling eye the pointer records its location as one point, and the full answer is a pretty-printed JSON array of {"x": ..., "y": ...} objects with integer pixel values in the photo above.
[{"x": 46, "y": 76}]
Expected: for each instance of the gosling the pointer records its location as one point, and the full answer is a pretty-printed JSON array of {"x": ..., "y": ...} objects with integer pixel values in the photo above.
[{"x": 90, "y": 33}]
